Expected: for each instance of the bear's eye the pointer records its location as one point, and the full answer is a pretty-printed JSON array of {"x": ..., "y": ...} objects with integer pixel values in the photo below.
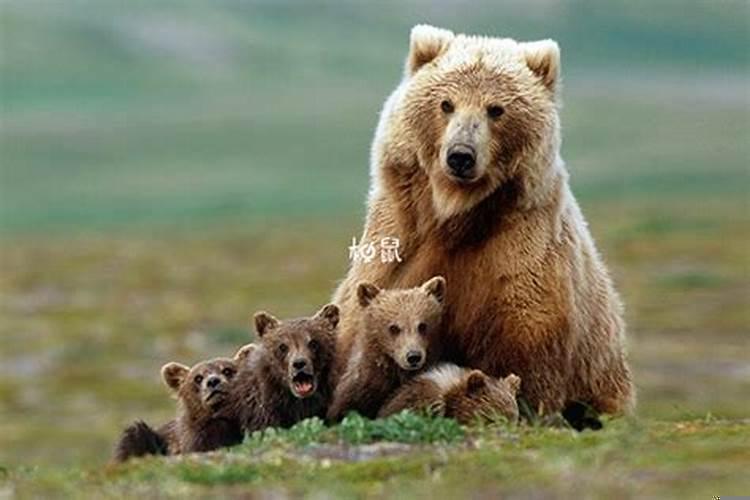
[
  {"x": 495, "y": 112},
  {"x": 313, "y": 345},
  {"x": 228, "y": 372},
  {"x": 422, "y": 328},
  {"x": 447, "y": 107},
  {"x": 394, "y": 329},
  {"x": 283, "y": 348},
  {"x": 198, "y": 379}
]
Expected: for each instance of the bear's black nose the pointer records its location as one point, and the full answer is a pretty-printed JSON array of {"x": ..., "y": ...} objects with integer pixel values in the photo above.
[
  {"x": 413, "y": 358},
  {"x": 461, "y": 161},
  {"x": 213, "y": 381},
  {"x": 299, "y": 363}
]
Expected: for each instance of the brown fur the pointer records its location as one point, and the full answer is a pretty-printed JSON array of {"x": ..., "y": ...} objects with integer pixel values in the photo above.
[
  {"x": 461, "y": 393},
  {"x": 270, "y": 390},
  {"x": 394, "y": 325},
  {"x": 529, "y": 292},
  {"x": 206, "y": 415}
]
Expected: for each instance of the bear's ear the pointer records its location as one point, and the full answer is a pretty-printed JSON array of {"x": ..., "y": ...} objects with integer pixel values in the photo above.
[
  {"x": 476, "y": 381},
  {"x": 244, "y": 353},
  {"x": 264, "y": 323},
  {"x": 514, "y": 382},
  {"x": 543, "y": 59},
  {"x": 174, "y": 374},
  {"x": 435, "y": 287},
  {"x": 426, "y": 43},
  {"x": 366, "y": 292},
  {"x": 329, "y": 313}
]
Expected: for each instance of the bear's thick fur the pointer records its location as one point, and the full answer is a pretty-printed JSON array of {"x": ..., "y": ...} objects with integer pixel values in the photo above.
[
  {"x": 206, "y": 412},
  {"x": 466, "y": 173},
  {"x": 450, "y": 391},
  {"x": 397, "y": 328},
  {"x": 287, "y": 376}
]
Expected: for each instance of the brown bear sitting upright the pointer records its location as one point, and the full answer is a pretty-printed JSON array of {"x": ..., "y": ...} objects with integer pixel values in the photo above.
[
  {"x": 288, "y": 376},
  {"x": 398, "y": 331},
  {"x": 450, "y": 391},
  {"x": 466, "y": 173}
]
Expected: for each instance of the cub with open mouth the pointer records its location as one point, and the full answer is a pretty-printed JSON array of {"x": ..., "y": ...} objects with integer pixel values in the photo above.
[{"x": 288, "y": 376}]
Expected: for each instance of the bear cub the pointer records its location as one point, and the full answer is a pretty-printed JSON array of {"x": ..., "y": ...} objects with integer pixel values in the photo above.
[
  {"x": 206, "y": 414},
  {"x": 287, "y": 378},
  {"x": 397, "y": 331},
  {"x": 461, "y": 393}
]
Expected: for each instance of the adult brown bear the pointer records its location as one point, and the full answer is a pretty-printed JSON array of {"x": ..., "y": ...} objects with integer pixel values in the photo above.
[{"x": 466, "y": 173}]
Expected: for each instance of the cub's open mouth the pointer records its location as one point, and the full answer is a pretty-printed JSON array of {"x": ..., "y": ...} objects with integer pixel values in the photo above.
[
  {"x": 303, "y": 385},
  {"x": 215, "y": 395}
]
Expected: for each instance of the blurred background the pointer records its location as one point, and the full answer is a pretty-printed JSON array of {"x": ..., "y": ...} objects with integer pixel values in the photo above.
[{"x": 169, "y": 167}]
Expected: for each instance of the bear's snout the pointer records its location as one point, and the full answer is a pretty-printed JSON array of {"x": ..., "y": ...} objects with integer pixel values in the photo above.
[{"x": 461, "y": 161}]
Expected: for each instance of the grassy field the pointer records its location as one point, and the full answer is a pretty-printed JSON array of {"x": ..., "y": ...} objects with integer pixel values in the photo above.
[{"x": 168, "y": 168}]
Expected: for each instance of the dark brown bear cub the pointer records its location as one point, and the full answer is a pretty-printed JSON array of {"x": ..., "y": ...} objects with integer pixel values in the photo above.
[
  {"x": 396, "y": 333},
  {"x": 288, "y": 376},
  {"x": 206, "y": 413},
  {"x": 461, "y": 393}
]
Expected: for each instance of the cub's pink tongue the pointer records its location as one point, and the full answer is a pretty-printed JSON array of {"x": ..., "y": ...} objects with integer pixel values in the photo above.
[{"x": 303, "y": 388}]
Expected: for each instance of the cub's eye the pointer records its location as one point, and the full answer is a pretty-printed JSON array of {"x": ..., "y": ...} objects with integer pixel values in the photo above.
[
  {"x": 283, "y": 348},
  {"x": 313, "y": 345},
  {"x": 228, "y": 372},
  {"x": 394, "y": 329},
  {"x": 422, "y": 328},
  {"x": 198, "y": 379},
  {"x": 447, "y": 107},
  {"x": 495, "y": 112}
]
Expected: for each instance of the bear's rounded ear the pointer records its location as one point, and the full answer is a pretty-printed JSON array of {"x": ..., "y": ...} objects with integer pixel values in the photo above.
[
  {"x": 245, "y": 352},
  {"x": 426, "y": 43},
  {"x": 264, "y": 322},
  {"x": 366, "y": 292},
  {"x": 329, "y": 313},
  {"x": 543, "y": 59},
  {"x": 477, "y": 380},
  {"x": 514, "y": 382},
  {"x": 174, "y": 374},
  {"x": 435, "y": 287}
]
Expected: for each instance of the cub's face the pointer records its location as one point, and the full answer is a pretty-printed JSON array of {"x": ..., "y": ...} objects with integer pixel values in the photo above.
[
  {"x": 403, "y": 323},
  {"x": 483, "y": 397},
  {"x": 484, "y": 110},
  {"x": 301, "y": 350},
  {"x": 206, "y": 387}
]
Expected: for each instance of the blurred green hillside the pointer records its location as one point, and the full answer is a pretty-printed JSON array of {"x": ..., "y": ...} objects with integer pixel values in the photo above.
[{"x": 169, "y": 167}]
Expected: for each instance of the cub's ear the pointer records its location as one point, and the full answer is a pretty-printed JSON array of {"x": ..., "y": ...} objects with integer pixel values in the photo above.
[
  {"x": 245, "y": 352},
  {"x": 366, "y": 292},
  {"x": 435, "y": 287},
  {"x": 477, "y": 380},
  {"x": 543, "y": 59},
  {"x": 174, "y": 374},
  {"x": 514, "y": 382},
  {"x": 264, "y": 323},
  {"x": 426, "y": 43},
  {"x": 329, "y": 313}
]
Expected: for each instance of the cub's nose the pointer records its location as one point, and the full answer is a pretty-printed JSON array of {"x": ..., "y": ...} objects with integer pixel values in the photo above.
[
  {"x": 414, "y": 358},
  {"x": 299, "y": 363},
  {"x": 213, "y": 381},
  {"x": 461, "y": 159}
]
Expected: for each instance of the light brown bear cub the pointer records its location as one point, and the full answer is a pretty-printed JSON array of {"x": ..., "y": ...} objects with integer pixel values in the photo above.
[
  {"x": 398, "y": 331},
  {"x": 206, "y": 414},
  {"x": 288, "y": 377},
  {"x": 455, "y": 392}
]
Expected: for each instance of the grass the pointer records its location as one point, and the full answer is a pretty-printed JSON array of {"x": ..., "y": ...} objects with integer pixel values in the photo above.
[{"x": 629, "y": 458}]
